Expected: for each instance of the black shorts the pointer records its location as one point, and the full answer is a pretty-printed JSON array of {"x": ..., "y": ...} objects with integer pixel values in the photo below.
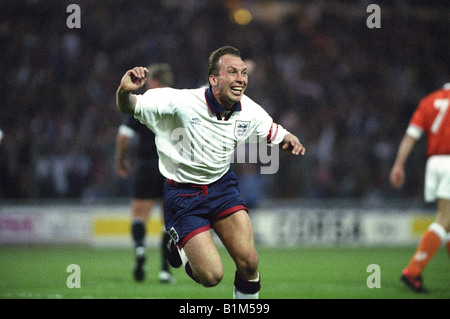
[{"x": 148, "y": 181}]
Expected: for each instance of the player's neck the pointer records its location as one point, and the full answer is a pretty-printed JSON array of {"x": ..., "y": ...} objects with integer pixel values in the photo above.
[{"x": 225, "y": 103}]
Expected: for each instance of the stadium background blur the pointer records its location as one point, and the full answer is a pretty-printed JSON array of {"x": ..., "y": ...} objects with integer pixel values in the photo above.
[{"x": 346, "y": 90}]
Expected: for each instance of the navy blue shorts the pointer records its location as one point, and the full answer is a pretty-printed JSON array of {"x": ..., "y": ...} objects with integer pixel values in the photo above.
[{"x": 189, "y": 209}]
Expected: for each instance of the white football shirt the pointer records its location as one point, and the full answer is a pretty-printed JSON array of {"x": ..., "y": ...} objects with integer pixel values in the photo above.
[{"x": 196, "y": 136}]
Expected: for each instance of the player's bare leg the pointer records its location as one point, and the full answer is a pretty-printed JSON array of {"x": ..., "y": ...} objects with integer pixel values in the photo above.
[
  {"x": 428, "y": 246},
  {"x": 203, "y": 262},
  {"x": 443, "y": 219},
  {"x": 443, "y": 214},
  {"x": 236, "y": 234}
]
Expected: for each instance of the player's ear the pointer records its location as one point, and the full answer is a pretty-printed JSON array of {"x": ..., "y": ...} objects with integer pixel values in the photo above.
[{"x": 212, "y": 80}]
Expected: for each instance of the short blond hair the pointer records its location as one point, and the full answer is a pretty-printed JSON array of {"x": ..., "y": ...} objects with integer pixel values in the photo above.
[{"x": 161, "y": 72}]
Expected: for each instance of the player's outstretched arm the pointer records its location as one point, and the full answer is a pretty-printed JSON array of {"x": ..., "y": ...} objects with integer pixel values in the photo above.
[
  {"x": 291, "y": 143},
  {"x": 133, "y": 80}
]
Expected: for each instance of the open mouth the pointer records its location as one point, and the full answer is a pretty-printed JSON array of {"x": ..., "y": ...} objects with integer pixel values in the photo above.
[{"x": 237, "y": 89}]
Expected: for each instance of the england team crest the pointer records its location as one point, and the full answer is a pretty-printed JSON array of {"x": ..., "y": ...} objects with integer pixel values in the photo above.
[
  {"x": 173, "y": 233},
  {"x": 241, "y": 128}
]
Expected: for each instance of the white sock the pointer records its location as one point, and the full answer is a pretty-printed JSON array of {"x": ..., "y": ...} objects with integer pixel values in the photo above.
[
  {"x": 240, "y": 295},
  {"x": 438, "y": 230}
]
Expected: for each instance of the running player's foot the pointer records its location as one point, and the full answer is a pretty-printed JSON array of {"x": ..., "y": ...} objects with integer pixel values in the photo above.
[
  {"x": 173, "y": 256},
  {"x": 415, "y": 283},
  {"x": 139, "y": 272},
  {"x": 166, "y": 277}
]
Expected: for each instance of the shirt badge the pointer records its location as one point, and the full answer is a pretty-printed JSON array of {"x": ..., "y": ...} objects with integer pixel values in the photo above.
[
  {"x": 196, "y": 121},
  {"x": 240, "y": 129}
]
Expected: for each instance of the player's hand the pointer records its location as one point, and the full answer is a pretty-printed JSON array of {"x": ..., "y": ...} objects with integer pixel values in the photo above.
[
  {"x": 291, "y": 143},
  {"x": 397, "y": 176},
  {"x": 134, "y": 79}
]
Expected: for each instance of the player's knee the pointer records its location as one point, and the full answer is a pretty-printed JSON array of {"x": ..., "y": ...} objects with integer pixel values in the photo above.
[
  {"x": 211, "y": 277},
  {"x": 249, "y": 264}
]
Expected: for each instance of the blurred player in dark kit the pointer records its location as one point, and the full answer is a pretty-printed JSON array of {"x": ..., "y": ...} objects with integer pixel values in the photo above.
[{"x": 148, "y": 182}]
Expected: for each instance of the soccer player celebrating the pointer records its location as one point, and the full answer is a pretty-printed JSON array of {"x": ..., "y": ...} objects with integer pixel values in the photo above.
[
  {"x": 432, "y": 117},
  {"x": 196, "y": 132}
]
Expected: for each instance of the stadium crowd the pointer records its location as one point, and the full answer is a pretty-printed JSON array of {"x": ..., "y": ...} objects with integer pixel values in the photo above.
[{"x": 346, "y": 90}]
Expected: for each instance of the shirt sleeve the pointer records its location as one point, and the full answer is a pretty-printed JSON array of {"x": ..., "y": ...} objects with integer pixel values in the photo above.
[
  {"x": 268, "y": 130},
  {"x": 414, "y": 131},
  {"x": 417, "y": 123},
  {"x": 276, "y": 134},
  {"x": 126, "y": 131},
  {"x": 152, "y": 105},
  {"x": 128, "y": 127}
]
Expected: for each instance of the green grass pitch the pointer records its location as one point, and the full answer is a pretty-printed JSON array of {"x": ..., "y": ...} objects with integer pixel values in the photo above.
[{"x": 289, "y": 273}]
